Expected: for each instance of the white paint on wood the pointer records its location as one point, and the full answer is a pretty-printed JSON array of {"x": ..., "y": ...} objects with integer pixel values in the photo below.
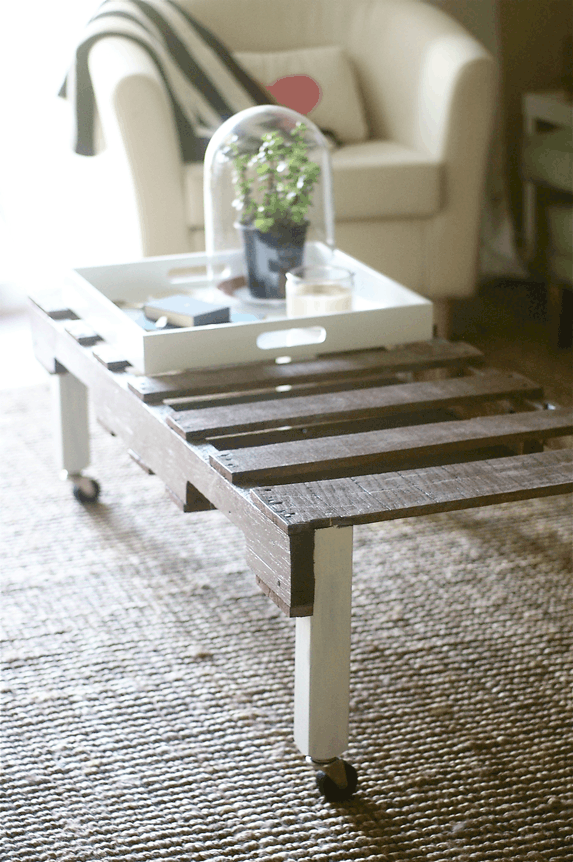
[
  {"x": 70, "y": 416},
  {"x": 322, "y": 669}
]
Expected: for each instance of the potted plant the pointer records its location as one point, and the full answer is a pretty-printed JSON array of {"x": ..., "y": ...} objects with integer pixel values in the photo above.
[{"x": 273, "y": 187}]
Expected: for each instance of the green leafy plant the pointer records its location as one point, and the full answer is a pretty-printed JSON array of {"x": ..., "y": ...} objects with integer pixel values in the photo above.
[{"x": 274, "y": 185}]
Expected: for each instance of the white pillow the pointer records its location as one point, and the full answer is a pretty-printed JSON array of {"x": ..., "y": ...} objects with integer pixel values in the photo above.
[{"x": 340, "y": 107}]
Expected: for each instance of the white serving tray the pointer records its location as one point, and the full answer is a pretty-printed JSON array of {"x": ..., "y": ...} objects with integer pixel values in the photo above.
[{"x": 384, "y": 313}]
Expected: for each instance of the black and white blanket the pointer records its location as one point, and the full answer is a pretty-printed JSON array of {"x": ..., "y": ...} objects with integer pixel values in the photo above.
[{"x": 205, "y": 84}]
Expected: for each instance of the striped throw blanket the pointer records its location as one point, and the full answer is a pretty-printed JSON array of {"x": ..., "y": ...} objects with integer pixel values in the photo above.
[{"x": 205, "y": 84}]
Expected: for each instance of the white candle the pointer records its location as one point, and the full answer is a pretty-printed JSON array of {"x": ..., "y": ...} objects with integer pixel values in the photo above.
[{"x": 316, "y": 290}]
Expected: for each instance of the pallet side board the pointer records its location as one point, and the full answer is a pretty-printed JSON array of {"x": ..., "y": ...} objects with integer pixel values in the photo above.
[{"x": 274, "y": 556}]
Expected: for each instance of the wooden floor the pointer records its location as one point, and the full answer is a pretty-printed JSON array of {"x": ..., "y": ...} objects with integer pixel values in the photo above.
[{"x": 507, "y": 321}]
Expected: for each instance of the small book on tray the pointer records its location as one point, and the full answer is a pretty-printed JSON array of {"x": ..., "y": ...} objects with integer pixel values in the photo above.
[{"x": 183, "y": 310}]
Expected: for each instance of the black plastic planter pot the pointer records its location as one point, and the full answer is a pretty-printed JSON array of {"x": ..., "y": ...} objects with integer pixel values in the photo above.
[{"x": 270, "y": 256}]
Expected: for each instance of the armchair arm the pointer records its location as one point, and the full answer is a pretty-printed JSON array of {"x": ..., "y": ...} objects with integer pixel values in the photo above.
[
  {"x": 465, "y": 147},
  {"x": 137, "y": 123},
  {"x": 411, "y": 57}
]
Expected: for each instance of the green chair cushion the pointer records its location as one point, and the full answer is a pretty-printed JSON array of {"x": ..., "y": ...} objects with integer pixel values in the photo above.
[
  {"x": 548, "y": 159},
  {"x": 560, "y": 226},
  {"x": 559, "y": 221}
]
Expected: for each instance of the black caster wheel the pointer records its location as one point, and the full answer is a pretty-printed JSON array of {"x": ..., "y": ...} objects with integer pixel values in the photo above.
[
  {"x": 331, "y": 791},
  {"x": 86, "y": 490}
]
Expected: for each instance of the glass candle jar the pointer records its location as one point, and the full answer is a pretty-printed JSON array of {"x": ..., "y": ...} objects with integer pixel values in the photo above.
[{"x": 316, "y": 290}]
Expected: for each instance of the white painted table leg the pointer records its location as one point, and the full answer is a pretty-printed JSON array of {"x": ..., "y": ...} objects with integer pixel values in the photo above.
[
  {"x": 70, "y": 417},
  {"x": 322, "y": 668}
]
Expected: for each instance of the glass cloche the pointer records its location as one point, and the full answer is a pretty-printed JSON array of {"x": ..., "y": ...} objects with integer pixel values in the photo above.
[{"x": 268, "y": 198}]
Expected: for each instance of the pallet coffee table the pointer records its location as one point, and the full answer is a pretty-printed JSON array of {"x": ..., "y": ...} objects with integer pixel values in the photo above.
[{"x": 295, "y": 454}]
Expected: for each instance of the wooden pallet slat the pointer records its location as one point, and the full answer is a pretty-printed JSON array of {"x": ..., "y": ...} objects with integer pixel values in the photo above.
[
  {"x": 358, "y": 404},
  {"x": 52, "y": 304},
  {"x": 110, "y": 357},
  {"x": 343, "y": 427},
  {"x": 409, "y": 493},
  {"x": 404, "y": 358},
  {"x": 288, "y": 390},
  {"x": 261, "y": 464},
  {"x": 82, "y": 333}
]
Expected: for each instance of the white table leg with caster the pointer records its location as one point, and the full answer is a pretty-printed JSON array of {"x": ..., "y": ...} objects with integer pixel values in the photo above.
[
  {"x": 322, "y": 665},
  {"x": 71, "y": 433},
  {"x": 70, "y": 402}
]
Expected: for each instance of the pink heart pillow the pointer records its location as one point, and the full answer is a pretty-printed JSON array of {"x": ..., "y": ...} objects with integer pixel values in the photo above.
[
  {"x": 299, "y": 92},
  {"x": 316, "y": 82}
]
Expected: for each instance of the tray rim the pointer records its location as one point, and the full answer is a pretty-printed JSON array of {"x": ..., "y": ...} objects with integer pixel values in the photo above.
[{"x": 178, "y": 349}]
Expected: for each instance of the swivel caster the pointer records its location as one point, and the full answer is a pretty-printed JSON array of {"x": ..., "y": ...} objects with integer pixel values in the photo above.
[
  {"x": 336, "y": 779},
  {"x": 86, "y": 490}
]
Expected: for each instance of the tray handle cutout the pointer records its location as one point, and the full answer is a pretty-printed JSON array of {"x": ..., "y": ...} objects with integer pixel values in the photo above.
[{"x": 297, "y": 337}]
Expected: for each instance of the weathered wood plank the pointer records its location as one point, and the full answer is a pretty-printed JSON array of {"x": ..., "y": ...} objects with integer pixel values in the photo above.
[
  {"x": 82, "y": 333},
  {"x": 357, "y": 404},
  {"x": 52, "y": 304},
  {"x": 383, "y": 449},
  {"x": 409, "y": 357},
  {"x": 409, "y": 493},
  {"x": 288, "y": 390},
  {"x": 285, "y": 574},
  {"x": 109, "y": 356},
  {"x": 348, "y": 426}
]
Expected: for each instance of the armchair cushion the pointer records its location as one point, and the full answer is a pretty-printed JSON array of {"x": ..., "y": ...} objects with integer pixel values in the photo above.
[
  {"x": 385, "y": 179},
  {"x": 339, "y": 109},
  {"x": 548, "y": 159},
  {"x": 371, "y": 180}
]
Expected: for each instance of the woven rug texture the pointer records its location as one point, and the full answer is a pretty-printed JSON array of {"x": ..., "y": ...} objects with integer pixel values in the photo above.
[{"x": 148, "y": 684}]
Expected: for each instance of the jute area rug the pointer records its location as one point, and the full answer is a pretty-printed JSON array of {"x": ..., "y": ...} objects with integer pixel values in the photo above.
[{"x": 148, "y": 683}]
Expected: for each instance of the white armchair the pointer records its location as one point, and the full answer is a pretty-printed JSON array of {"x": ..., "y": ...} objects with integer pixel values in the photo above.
[{"x": 407, "y": 199}]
